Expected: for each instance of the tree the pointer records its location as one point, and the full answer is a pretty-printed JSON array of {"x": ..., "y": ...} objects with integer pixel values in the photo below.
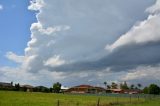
[
  {"x": 114, "y": 85},
  {"x": 17, "y": 87},
  {"x": 145, "y": 90},
  {"x": 154, "y": 89},
  {"x": 51, "y": 89},
  {"x": 108, "y": 87},
  {"x": 124, "y": 85},
  {"x": 136, "y": 88},
  {"x": 12, "y": 83},
  {"x": 132, "y": 86},
  {"x": 105, "y": 83},
  {"x": 121, "y": 85},
  {"x": 56, "y": 87},
  {"x": 139, "y": 85}
]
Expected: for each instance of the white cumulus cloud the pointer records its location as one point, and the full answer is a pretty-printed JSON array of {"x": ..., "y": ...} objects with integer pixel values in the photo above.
[
  {"x": 36, "y": 5},
  {"x": 16, "y": 58},
  {"x": 47, "y": 31},
  {"x": 146, "y": 32},
  {"x": 54, "y": 61},
  {"x": 142, "y": 73},
  {"x": 1, "y": 7},
  {"x": 155, "y": 8}
]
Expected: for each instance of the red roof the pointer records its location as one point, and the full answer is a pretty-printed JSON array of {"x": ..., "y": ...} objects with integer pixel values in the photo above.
[{"x": 84, "y": 86}]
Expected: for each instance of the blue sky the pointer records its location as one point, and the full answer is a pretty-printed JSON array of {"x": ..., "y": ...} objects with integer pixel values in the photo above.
[
  {"x": 15, "y": 22},
  {"x": 79, "y": 42}
]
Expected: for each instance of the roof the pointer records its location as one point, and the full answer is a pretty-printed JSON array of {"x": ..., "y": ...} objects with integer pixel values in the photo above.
[
  {"x": 88, "y": 86},
  {"x": 83, "y": 86}
]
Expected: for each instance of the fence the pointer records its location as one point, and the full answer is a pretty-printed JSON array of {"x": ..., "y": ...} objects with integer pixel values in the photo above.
[{"x": 113, "y": 100}]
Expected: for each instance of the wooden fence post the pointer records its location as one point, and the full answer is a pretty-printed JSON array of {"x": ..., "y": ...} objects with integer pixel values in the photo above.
[
  {"x": 57, "y": 102},
  {"x": 98, "y": 102},
  {"x": 145, "y": 98},
  {"x": 130, "y": 99},
  {"x": 117, "y": 100}
]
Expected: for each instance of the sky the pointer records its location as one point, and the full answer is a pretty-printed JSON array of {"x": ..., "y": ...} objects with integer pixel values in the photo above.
[
  {"x": 80, "y": 42},
  {"x": 15, "y": 21}
]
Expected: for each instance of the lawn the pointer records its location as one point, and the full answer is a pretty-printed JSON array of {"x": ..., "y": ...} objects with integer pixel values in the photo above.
[{"x": 9, "y": 98}]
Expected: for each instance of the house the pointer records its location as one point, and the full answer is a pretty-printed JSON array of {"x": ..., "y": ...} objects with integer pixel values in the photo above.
[
  {"x": 116, "y": 91},
  {"x": 132, "y": 91},
  {"x": 27, "y": 88},
  {"x": 126, "y": 91},
  {"x": 4, "y": 85},
  {"x": 79, "y": 89},
  {"x": 82, "y": 89},
  {"x": 96, "y": 90}
]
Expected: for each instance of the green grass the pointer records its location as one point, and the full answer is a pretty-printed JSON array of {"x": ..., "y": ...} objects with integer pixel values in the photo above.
[{"x": 9, "y": 98}]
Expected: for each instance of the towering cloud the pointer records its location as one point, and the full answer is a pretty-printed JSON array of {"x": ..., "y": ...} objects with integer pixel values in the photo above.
[{"x": 77, "y": 31}]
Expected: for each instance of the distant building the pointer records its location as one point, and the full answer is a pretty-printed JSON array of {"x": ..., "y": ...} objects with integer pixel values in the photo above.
[
  {"x": 27, "y": 88},
  {"x": 85, "y": 89},
  {"x": 132, "y": 91},
  {"x": 127, "y": 91},
  {"x": 117, "y": 91},
  {"x": 4, "y": 85}
]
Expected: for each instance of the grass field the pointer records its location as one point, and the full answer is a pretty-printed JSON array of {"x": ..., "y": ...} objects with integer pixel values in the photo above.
[{"x": 8, "y": 98}]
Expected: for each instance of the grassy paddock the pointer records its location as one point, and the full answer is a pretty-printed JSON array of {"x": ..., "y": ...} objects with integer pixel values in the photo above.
[{"x": 9, "y": 98}]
